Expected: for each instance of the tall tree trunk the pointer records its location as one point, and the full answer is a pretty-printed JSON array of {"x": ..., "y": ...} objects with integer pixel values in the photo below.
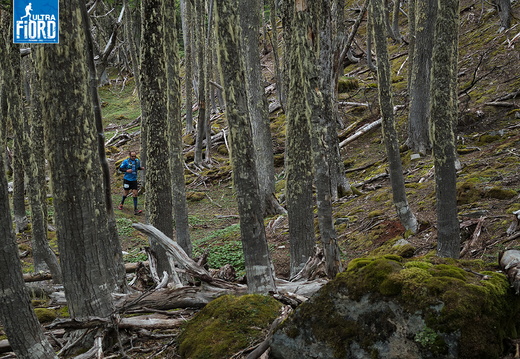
[
  {"x": 201, "y": 55},
  {"x": 317, "y": 19},
  {"x": 159, "y": 200},
  {"x": 81, "y": 218},
  {"x": 115, "y": 254},
  {"x": 444, "y": 116},
  {"x": 280, "y": 83},
  {"x": 250, "y": 17},
  {"x": 19, "y": 321},
  {"x": 129, "y": 28},
  {"x": 43, "y": 256},
  {"x": 187, "y": 26},
  {"x": 171, "y": 53},
  {"x": 298, "y": 161},
  {"x": 404, "y": 212},
  {"x": 259, "y": 268},
  {"x": 419, "y": 87},
  {"x": 396, "y": 35},
  {"x": 13, "y": 81}
]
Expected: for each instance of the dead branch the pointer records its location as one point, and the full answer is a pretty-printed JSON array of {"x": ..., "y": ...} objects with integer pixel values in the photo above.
[
  {"x": 361, "y": 132},
  {"x": 500, "y": 104},
  {"x": 474, "y": 238}
]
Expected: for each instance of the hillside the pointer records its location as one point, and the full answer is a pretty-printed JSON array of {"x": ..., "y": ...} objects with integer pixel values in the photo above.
[{"x": 488, "y": 134}]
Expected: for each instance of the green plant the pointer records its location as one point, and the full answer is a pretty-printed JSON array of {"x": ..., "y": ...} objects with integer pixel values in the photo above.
[
  {"x": 426, "y": 337},
  {"x": 124, "y": 227}
]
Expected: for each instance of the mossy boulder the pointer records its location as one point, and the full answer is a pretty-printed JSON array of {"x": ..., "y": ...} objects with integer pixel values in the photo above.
[
  {"x": 227, "y": 325},
  {"x": 388, "y": 307}
]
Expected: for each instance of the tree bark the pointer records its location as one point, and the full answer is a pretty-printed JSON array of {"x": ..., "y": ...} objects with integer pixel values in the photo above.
[
  {"x": 43, "y": 256},
  {"x": 114, "y": 255},
  {"x": 419, "y": 86},
  {"x": 159, "y": 199},
  {"x": 81, "y": 218},
  {"x": 19, "y": 321},
  {"x": 180, "y": 207},
  {"x": 259, "y": 268},
  {"x": 298, "y": 161},
  {"x": 250, "y": 18},
  {"x": 444, "y": 111},
  {"x": 404, "y": 212},
  {"x": 201, "y": 55},
  {"x": 318, "y": 21},
  {"x": 187, "y": 26}
]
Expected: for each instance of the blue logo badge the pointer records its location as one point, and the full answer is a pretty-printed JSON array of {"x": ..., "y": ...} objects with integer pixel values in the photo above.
[{"x": 36, "y": 21}]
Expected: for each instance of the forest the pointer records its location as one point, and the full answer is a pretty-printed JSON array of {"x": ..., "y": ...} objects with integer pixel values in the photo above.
[{"x": 284, "y": 144}]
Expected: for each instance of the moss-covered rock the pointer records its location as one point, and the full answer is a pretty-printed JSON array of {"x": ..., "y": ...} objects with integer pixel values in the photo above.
[
  {"x": 387, "y": 307},
  {"x": 227, "y": 325}
]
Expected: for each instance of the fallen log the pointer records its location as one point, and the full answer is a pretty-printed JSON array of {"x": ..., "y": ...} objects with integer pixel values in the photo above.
[{"x": 361, "y": 132}]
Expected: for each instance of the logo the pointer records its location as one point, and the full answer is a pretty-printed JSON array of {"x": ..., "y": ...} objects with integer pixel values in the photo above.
[{"x": 36, "y": 21}]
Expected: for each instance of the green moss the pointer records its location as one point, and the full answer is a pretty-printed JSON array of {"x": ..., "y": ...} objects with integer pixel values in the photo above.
[
  {"x": 500, "y": 193},
  {"x": 346, "y": 84},
  {"x": 195, "y": 196},
  {"x": 467, "y": 193},
  {"x": 227, "y": 325},
  {"x": 45, "y": 315},
  {"x": 451, "y": 299}
]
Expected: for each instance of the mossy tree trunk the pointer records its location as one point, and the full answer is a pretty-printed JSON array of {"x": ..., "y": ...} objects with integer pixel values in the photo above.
[
  {"x": 19, "y": 321},
  {"x": 71, "y": 139},
  {"x": 116, "y": 268},
  {"x": 187, "y": 31},
  {"x": 317, "y": 19},
  {"x": 159, "y": 199},
  {"x": 419, "y": 87},
  {"x": 200, "y": 15},
  {"x": 13, "y": 81},
  {"x": 251, "y": 20},
  {"x": 404, "y": 211},
  {"x": 443, "y": 119},
  {"x": 43, "y": 256},
  {"x": 298, "y": 154},
  {"x": 259, "y": 268},
  {"x": 129, "y": 35},
  {"x": 171, "y": 53}
]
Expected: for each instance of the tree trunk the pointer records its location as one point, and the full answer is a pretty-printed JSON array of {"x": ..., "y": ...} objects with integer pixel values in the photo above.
[
  {"x": 298, "y": 160},
  {"x": 43, "y": 256},
  {"x": 187, "y": 26},
  {"x": 201, "y": 55},
  {"x": 250, "y": 17},
  {"x": 396, "y": 35},
  {"x": 180, "y": 207},
  {"x": 419, "y": 87},
  {"x": 115, "y": 256},
  {"x": 259, "y": 268},
  {"x": 444, "y": 110},
  {"x": 318, "y": 20},
  {"x": 19, "y": 321},
  {"x": 404, "y": 212},
  {"x": 81, "y": 218},
  {"x": 159, "y": 200},
  {"x": 504, "y": 11},
  {"x": 13, "y": 81}
]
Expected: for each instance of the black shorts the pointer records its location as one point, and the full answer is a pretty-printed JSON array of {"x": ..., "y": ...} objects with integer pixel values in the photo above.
[{"x": 128, "y": 185}]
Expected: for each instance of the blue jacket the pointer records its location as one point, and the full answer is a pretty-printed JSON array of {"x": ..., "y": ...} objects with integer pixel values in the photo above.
[{"x": 134, "y": 165}]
